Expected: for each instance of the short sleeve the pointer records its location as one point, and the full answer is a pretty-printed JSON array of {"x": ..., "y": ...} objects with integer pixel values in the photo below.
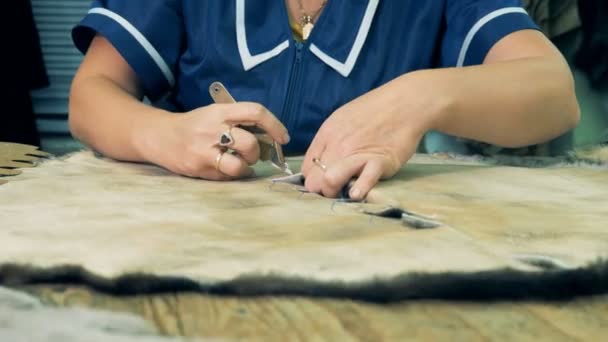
[
  {"x": 474, "y": 26},
  {"x": 147, "y": 33}
]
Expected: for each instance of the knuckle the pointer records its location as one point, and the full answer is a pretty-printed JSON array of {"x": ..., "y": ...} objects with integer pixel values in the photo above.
[
  {"x": 215, "y": 108},
  {"x": 259, "y": 108},
  {"x": 216, "y": 112},
  {"x": 250, "y": 145},
  {"x": 311, "y": 185},
  {"x": 235, "y": 168},
  {"x": 332, "y": 180},
  {"x": 230, "y": 169},
  {"x": 257, "y": 111}
]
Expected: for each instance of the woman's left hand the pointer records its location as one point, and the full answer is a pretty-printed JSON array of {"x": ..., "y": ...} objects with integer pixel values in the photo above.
[{"x": 369, "y": 139}]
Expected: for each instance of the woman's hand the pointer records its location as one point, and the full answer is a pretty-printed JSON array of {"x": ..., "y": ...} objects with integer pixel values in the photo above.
[
  {"x": 369, "y": 138},
  {"x": 188, "y": 143}
]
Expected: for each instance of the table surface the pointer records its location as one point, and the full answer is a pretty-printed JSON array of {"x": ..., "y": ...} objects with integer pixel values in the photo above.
[{"x": 299, "y": 319}]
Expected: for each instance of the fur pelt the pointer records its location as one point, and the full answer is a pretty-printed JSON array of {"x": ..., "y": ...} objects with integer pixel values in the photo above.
[
  {"x": 506, "y": 233},
  {"x": 486, "y": 286}
]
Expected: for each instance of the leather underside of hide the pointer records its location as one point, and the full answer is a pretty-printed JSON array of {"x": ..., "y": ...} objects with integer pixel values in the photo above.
[
  {"x": 16, "y": 156},
  {"x": 505, "y": 233}
]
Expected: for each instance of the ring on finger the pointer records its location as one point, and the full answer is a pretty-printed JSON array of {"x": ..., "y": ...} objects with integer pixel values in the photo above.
[
  {"x": 226, "y": 138},
  {"x": 218, "y": 160},
  {"x": 320, "y": 164}
]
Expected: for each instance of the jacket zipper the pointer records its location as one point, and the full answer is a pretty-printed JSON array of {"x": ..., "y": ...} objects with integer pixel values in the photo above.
[{"x": 293, "y": 88}]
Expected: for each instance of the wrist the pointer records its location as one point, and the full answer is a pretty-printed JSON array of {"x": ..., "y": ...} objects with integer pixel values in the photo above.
[
  {"x": 147, "y": 134},
  {"x": 428, "y": 95}
]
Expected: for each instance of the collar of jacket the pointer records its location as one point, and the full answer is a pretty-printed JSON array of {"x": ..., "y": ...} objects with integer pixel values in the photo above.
[{"x": 263, "y": 32}]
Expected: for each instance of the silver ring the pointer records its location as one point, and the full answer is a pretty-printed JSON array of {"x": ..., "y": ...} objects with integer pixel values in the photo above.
[
  {"x": 226, "y": 138},
  {"x": 319, "y": 163}
]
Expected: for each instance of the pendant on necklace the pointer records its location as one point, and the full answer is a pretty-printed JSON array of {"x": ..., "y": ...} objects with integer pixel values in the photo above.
[
  {"x": 306, "y": 30},
  {"x": 307, "y": 26}
]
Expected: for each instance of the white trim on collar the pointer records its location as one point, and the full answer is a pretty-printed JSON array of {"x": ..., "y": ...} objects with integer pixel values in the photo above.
[
  {"x": 249, "y": 61},
  {"x": 479, "y": 25},
  {"x": 141, "y": 39},
  {"x": 345, "y": 68}
]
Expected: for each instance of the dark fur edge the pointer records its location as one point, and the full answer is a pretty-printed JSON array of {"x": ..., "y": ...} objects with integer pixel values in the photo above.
[{"x": 485, "y": 286}]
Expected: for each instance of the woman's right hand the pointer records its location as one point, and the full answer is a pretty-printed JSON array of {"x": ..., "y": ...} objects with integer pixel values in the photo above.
[{"x": 188, "y": 144}]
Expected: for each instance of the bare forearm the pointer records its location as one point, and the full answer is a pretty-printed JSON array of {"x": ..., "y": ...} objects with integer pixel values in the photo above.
[
  {"x": 110, "y": 119},
  {"x": 511, "y": 104}
]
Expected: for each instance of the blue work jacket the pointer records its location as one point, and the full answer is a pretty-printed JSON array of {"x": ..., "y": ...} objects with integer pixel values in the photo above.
[{"x": 178, "y": 48}]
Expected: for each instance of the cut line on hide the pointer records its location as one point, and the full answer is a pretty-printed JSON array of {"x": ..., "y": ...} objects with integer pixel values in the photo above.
[
  {"x": 382, "y": 206},
  {"x": 484, "y": 286}
]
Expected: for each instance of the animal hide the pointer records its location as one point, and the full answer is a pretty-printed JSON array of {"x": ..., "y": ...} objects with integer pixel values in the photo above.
[
  {"x": 503, "y": 232},
  {"x": 14, "y": 156},
  {"x": 596, "y": 154}
]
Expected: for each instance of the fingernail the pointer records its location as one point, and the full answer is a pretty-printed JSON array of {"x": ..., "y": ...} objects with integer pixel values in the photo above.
[
  {"x": 355, "y": 193},
  {"x": 286, "y": 138}
]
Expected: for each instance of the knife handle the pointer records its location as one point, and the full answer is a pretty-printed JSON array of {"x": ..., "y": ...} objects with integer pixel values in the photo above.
[{"x": 220, "y": 94}]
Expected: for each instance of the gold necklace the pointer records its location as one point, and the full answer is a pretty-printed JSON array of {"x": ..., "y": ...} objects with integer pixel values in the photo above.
[{"x": 306, "y": 20}]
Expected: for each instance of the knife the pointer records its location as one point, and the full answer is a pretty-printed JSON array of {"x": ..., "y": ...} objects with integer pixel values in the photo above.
[{"x": 270, "y": 150}]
